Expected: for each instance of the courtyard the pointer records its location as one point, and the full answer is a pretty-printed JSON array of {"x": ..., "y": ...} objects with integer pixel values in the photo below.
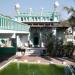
[
  {"x": 27, "y": 65},
  {"x": 37, "y": 42}
]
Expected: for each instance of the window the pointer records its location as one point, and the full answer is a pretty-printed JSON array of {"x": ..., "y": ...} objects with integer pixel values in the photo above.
[
  {"x": 47, "y": 18},
  {"x": 51, "y": 19},
  {"x": 33, "y": 18},
  {"x": 36, "y": 18},
  {"x": 39, "y": 18},
  {"x": 21, "y": 18},
  {"x": 6, "y": 42},
  {"x": 27, "y": 18},
  {"x": 44, "y": 18}
]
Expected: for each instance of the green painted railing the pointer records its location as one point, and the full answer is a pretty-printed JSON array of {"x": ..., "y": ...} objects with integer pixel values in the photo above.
[
  {"x": 38, "y": 17},
  {"x": 7, "y": 23}
]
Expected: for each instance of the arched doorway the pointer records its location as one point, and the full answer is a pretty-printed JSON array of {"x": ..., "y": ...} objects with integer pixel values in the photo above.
[{"x": 36, "y": 39}]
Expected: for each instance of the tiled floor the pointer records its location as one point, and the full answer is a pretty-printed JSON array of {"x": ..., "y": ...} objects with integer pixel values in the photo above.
[{"x": 46, "y": 59}]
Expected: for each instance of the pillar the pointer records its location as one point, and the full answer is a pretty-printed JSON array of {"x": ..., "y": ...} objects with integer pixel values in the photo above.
[
  {"x": 54, "y": 31},
  {"x": 40, "y": 38},
  {"x": 14, "y": 40},
  {"x": 54, "y": 41}
]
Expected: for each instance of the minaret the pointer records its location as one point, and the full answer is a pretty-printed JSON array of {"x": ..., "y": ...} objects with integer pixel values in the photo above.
[
  {"x": 56, "y": 5},
  {"x": 56, "y": 10},
  {"x": 55, "y": 14},
  {"x": 30, "y": 11},
  {"x": 17, "y": 8},
  {"x": 42, "y": 11}
]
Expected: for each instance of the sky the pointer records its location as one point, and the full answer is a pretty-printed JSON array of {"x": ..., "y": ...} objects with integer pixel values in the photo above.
[{"x": 7, "y": 7}]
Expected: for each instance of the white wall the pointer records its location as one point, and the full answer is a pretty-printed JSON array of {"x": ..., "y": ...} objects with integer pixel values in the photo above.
[
  {"x": 6, "y": 38},
  {"x": 22, "y": 40},
  {"x": 74, "y": 37}
]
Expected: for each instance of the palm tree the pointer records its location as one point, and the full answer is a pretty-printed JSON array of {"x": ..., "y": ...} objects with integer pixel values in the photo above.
[
  {"x": 71, "y": 10},
  {"x": 71, "y": 21}
]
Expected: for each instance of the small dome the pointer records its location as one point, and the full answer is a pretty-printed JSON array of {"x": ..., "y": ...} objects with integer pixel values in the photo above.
[
  {"x": 17, "y": 6},
  {"x": 56, "y": 3}
]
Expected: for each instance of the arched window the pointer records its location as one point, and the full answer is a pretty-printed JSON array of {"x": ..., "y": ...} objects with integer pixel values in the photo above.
[
  {"x": 21, "y": 18},
  {"x": 36, "y": 18}
]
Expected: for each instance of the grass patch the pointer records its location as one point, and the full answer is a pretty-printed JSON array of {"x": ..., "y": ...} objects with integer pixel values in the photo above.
[{"x": 32, "y": 69}]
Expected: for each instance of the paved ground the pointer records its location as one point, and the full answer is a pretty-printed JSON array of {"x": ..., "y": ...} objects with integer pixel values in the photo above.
[
  {"x": 39, "y": 59},
  {"x": 46, "y": 59},
  {"x": 6, "y": 60}
]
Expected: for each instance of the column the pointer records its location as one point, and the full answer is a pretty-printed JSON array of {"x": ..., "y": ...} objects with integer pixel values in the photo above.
[
  {"x": 54, "y": 40},
  {"x": 14, "y": 40},
  {"x": 29, "y": 39},
  {"x": 54, "y": 31},
  {"x": 13, "y": 35},
  {"x": 40, "y": 38},
  {"x": 1, "y": 22}
]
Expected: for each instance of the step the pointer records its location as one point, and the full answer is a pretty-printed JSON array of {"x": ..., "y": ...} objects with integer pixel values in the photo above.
[{"x": 32, "y": 51}]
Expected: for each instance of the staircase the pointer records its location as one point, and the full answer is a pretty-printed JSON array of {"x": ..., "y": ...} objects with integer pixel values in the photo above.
[
  {"x": 34, "y": 51},
  {"x": 30, "y": 51}
]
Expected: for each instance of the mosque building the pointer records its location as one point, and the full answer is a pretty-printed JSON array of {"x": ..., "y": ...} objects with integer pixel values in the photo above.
[{"x": 28, "y": 29}]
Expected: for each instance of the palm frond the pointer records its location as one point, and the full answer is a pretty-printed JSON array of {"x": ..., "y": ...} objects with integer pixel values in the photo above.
[{"x": 69, "y": 10}]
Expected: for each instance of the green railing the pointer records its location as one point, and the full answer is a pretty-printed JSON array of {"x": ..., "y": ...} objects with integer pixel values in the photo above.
[
  {"x": 41, "y": 17},
  {"x": 7, "y": 23}
]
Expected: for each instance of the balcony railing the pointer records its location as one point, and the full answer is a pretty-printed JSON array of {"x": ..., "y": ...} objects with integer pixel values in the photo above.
[
  {"x": 38, "y": 17},
  {"x": 9, "y": 24}
]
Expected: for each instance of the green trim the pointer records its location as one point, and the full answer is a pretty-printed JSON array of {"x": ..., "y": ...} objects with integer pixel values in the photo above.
[
  {"x": 35, "y": 17},
  {"x": 9, "y": 24},
  {"x": 9, "y": 50}
]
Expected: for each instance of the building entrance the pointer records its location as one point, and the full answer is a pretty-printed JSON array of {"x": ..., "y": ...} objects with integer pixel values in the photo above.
[{"x": 36, "y": 40}]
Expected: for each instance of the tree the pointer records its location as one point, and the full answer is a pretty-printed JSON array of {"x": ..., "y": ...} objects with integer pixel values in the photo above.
[
  {"x": 48, "y": 42},
  {"x": 71, "y": 10},
  {"x": 71, "y": 20},
  {"x": 59, "y": 47},
  {"x": 68, "y": 49}
]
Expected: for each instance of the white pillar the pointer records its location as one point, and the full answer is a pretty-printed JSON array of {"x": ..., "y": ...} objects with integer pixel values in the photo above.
[
  {"x": 30, "y": 11},
  {"x": 19, "y": 44},
  {"x": 14, "y": 35},
  {"x": 40, "y": 39},
  {"x": 41, "y": 11},
  {"x": 54, "y": 31},
  {"x": 29, "y": 39},
  {"x": 28, "y": 36},
  {"x": 17, "y": 8}
]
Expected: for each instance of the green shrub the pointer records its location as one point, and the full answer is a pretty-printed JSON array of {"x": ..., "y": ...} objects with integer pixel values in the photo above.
[{"x": 68, "y": 49}]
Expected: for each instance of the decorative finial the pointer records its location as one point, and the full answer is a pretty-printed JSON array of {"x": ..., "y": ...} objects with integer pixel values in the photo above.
[
  {"x": 30, "y": 11},
  {"x": 42, "y": 8},
  {"x": 56, "y": 4},
  {"x": 42, "y": 11},
  {"x": 17, "y": 8}
]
